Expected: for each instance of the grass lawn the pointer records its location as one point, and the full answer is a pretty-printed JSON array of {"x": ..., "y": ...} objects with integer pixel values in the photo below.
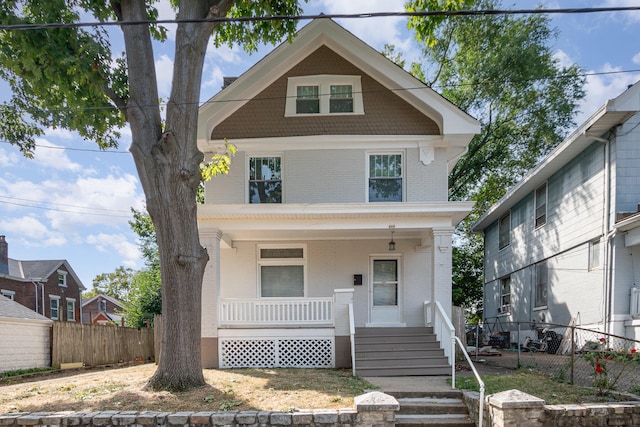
[{"x": 536, "y": 384}]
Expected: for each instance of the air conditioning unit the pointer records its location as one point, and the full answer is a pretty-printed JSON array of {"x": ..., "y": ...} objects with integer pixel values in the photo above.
[{"x": 505, "y": 309}]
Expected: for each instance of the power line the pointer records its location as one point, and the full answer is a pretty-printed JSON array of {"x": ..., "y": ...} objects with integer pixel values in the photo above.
[
  {"x": 74, "y": 149},
  {"x": 224, "y": 20},
  {"x": 58, "y": 204},
  {"x": 62, "y": 210}
]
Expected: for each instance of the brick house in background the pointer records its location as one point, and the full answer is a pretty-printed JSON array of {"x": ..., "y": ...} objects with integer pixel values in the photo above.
[
  {"x": 102, "y": 310},
  {"x": 48, "y": 287}
]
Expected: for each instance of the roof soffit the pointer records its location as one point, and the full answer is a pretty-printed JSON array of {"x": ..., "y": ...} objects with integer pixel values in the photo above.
[{"x": 324, "y": 31}]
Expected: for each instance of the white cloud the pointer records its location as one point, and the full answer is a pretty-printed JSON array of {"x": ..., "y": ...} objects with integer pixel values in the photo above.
[
  {"x": 214, "y": 80},
  {"x": 50, "y": 155},
  {"x": 166, "y": 12},
  {"x": 33, "y": 232},
  {"x": 636, "y": 58},
  {"x": 564, "y": 60},
  {"x": 164, "y": 73},
  {"x": 118, "y": 242},
  {"x": 630, "y": 17},
  {"x": 60, "y": 133},
  {"x": 8, "y": 158}
]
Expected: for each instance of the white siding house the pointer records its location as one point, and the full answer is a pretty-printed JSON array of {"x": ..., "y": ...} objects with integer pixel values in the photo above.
[
  {"x": 564, "y": 244},
  {"x": 339, "y": 152},
  {"x": 25, "y": 341}
]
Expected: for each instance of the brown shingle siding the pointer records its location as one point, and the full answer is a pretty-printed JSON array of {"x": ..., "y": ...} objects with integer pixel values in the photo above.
[{"x": 385, "y": 112}]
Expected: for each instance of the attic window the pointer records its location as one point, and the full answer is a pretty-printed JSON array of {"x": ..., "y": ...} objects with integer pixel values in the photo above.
[
  {"x": 62, "y": 278},
  {"x": 323, "y": 94}
]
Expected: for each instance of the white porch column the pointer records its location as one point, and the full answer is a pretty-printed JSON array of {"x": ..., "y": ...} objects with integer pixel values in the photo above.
[
  {"x": 442, "y": 267},
  {"x": 210, "y": 298}
]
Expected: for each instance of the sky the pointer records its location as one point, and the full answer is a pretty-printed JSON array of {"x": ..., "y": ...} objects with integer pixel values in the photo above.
[{"x": 73, "y": 202}]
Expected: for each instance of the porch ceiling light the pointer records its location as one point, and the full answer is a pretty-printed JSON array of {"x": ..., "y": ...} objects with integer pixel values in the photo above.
[{"x": 392, "y": 244}]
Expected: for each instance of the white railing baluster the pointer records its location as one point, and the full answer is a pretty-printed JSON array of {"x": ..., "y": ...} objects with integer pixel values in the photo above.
[{"x": 272, "y": 311}]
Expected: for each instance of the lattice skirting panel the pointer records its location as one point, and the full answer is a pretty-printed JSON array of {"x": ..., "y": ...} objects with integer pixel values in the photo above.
[{"x": 277, "y": 353}]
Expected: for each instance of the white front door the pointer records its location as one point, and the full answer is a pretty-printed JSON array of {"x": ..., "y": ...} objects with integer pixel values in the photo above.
[{"x": 384, "y": 289}]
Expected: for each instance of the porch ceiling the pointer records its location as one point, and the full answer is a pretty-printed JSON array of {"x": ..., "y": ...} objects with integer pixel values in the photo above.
[{"x": 329, "y": 222}]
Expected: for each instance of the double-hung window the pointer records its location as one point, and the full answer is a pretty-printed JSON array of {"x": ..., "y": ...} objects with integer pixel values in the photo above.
[
  {"x": 8, "y": 294},
  {"x": 62, "y": 278},
  {"x": 504, "y": 231},
  {"x": 505, "y": 295},
  {"x": 281, "y": 270},
  {"x": 594, "y": 254},
  {"x": 71, "y": 310},
  {"x": 308, "y": 100},
  {"x": 542, "y": 278},
  {"x": 265, "y": 179},
  {"x": 385, "y": 177},
  {"x": 541, "y": 205},
  {"x": 54, "y": 307},
  {"x": 341, "y": 100}
]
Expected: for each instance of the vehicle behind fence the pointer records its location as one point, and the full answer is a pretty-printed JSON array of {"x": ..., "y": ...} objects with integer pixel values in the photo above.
[{"x": 577, "y": 355}]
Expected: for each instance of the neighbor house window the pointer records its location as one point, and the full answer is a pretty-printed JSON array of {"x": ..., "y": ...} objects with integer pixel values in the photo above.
[
  {"x": 265, "y": 179},
  {"x": 542, "y": 279},
  {"x": 71, "y": 310},
  {"x": 323, "y": 94},
  {"x": 504, "y": 231},
  {"x": 54, "y": 306},
  {"x": 8, "y": 294},
  {"x": 281, "y": 270},
  {"x": 541, "y": 205},
  {"x": 594, "y": 254},
  {"x": 308, "y": 100},
  {"x": 505, "y": 295},
  {"x": 102, "y": 305},
  {"x": 385, "y": 177},
  {"x": 62, "y": 278}
]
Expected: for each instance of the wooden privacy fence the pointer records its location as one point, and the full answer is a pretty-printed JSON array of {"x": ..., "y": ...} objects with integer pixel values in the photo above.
[{"x": 95, "y": 345}]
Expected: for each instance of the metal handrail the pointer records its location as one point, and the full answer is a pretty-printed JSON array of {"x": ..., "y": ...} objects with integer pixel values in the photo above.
[
  {"x": 455, "y": 339},
  {"x": 352, "y": 335}
]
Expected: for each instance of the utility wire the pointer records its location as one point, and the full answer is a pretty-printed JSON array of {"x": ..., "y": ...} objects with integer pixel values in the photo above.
[
  {"x": 63, "y": 210},
  {"x": 58, "y": 204},
  {"x": 435, "y": 13}
]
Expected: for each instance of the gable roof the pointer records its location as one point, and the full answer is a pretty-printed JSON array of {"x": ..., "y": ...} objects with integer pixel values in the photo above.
[
  {"x": 39, "y": 270},
  {"x": 112, "y": 300},
  {"x": 614, "y": 112},
  {"x": 12, "y": 310},
  {"x": 456, "y": 126}
]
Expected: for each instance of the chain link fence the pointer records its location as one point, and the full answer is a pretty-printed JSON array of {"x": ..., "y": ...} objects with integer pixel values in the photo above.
[{"x": 570, "y": 354}]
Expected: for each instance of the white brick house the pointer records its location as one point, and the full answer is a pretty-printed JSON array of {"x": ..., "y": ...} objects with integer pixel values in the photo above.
[{"x": 340, "y": 152}]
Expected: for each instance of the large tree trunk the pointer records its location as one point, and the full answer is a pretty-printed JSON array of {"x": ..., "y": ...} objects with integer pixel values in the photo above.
[{"x": 168, "y": 166}]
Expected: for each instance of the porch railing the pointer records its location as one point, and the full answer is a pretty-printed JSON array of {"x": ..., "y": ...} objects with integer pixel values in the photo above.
[{"x": 276, "y": 311}]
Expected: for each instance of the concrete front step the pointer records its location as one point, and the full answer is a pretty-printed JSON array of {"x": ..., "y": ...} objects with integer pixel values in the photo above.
[
  {"x": 399, "y": 354},
  {"x": 362, "y": 361},
  {"x": 432, "y": 406},
  {"x": 434, "y": 420},
  {"x": 400, "y": 371},
  {"x": 396, "y": 345},
  {"x": 400, "y": 331}
]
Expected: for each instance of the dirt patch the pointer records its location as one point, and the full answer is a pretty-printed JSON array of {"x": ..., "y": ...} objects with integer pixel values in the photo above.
[{"x": 239, "y": 389}]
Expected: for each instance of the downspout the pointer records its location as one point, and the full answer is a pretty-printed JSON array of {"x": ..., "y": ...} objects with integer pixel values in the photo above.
[
  {"x": 36, "y": 295},
  {"x": 42, "y": 290}
]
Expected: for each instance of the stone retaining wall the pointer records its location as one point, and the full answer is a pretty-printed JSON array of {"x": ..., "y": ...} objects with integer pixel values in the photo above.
[
  {"x": 371, "y": 409},
  {"x": 515, "y": 408}
]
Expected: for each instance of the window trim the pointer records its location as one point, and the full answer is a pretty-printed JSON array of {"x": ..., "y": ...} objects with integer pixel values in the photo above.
[
  {"x": 324, "y": 83},
  {"x": 508, "y": 232},
  {"x": 7, "y": 293},
  {"x": 281, "y": 262},
  {"x": 538, "y": 284},
  {"x": 62, "y": 275},
  {"x": 248, "y": 158},
  {"x": 504, "y": 309},
  {"x": 71, "y": 301},
  {"x": 57, "y": 299},
  {"x": 545, "y": 205},
  {"x": 402, "y": 176}
]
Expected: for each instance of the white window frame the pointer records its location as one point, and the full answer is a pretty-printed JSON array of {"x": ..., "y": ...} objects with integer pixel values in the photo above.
[
  {"x": 595, "y": 254},
  {"x": 283, "y": 262},
  {"x": 543, "y": 217},
  {"x": 508, "y": 231},
  {"x": 324, "y": 83},
  {"x": 402, "y": 176},
  {"x": 247, "y": 164},
  {"x": 504, "y": 309},
  {"x": 62, "y": 278},
  {"x": 71, "y": 301},
  {"x": 55, "y": 298},
  {"x": 8, "y": 294}
]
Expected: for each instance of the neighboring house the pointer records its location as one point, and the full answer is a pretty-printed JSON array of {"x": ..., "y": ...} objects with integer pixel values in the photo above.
[
  {"x": 48, "y": 287},
  {"x": 25, "y": 337},
  {"x": 337, "y": 195},
  {"x": 102, "y": 310},
  {"x": 564, "y": 244}
]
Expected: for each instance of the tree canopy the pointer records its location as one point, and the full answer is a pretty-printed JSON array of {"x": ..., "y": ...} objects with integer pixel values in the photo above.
[{"x": 501, "y": 69}]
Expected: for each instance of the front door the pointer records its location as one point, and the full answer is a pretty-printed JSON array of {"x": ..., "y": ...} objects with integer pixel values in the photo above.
[{"x": 385, "y": 290}]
